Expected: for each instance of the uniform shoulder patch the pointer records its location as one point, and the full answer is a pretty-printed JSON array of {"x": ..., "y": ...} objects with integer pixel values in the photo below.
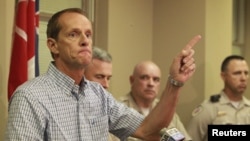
[{"x": 197, "y": 110}]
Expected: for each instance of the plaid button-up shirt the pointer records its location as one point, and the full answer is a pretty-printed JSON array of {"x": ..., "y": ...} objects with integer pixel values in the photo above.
[{"x": 51, "y": 107}]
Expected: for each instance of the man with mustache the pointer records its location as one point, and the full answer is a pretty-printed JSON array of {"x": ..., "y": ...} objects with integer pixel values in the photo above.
[{"x": 227, "y": 107}]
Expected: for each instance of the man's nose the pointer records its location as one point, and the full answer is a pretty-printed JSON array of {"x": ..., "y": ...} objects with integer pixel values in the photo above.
[
  {"x": 105, "y": 83},
  {"x": 151, "y": 82},
  {"x": 84, "y": 40}
]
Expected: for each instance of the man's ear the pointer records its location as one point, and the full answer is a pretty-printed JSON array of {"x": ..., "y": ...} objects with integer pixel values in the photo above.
[
  {"x": 222, "y": 75},
  {"x": 131, "y": 79},
  {"x": 52, "y": 45}
]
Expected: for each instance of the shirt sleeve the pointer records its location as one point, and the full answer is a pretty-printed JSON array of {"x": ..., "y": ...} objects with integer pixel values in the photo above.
[
  {"x": 198, "y": 125},
  {"x": 123, "y": 120},
  {"x": 25, "y": 119}
]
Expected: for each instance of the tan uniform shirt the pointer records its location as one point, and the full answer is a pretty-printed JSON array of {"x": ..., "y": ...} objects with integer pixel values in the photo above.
[
  {"x": 113, "y": 138},
  {"x": 176, "y": 122},
  {"x": 217, "y": 112}
]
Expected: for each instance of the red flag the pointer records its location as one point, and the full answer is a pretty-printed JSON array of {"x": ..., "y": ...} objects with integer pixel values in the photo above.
[{"x": 22, "y": 65}]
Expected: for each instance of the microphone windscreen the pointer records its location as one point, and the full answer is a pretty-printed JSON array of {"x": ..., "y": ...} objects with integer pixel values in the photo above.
[{"x": 171, "y": 134}]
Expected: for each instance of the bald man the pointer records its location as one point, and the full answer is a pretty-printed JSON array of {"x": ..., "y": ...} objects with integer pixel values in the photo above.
[{"x": 145, "y": 85}]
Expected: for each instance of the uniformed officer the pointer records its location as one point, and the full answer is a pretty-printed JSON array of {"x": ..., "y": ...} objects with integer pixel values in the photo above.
[
  {"x": 145, "y": 83},
  {"x": 227, "y": 107}
]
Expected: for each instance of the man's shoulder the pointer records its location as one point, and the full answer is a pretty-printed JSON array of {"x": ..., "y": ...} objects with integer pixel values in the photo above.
[
  {"x": 207, "y": 106},
  {"x": 34, "y": 83},
  {"x": 33, "y": 89},
  {"x": 215, "y": 98},
  {"x": 124, "y": 98},
  {"x": 212, "y": 100}
]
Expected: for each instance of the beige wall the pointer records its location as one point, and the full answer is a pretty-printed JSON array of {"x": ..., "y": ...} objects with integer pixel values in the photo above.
[
  {"x": 134, "y": 30},
  {"x": 246, "y": 50},
  {"x": 6, "y": 14},
  {"x": 127, "y": 37},
  {"x": 175, "y": 23}
]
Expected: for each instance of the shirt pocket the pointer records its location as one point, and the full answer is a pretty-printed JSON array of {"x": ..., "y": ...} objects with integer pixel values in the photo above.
[
  {"x": 99, "y": 127},
  {"x": 247, "y": 118},
  {"x": 222, "y": 120}
]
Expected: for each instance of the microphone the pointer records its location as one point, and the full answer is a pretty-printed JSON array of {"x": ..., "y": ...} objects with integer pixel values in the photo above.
[{"x": 171, "y": 134}]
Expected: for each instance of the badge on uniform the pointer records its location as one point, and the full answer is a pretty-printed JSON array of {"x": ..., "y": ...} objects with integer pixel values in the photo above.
[
  {"x": 197, "y": 110},
  {"x": 221, "y": 113}
]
